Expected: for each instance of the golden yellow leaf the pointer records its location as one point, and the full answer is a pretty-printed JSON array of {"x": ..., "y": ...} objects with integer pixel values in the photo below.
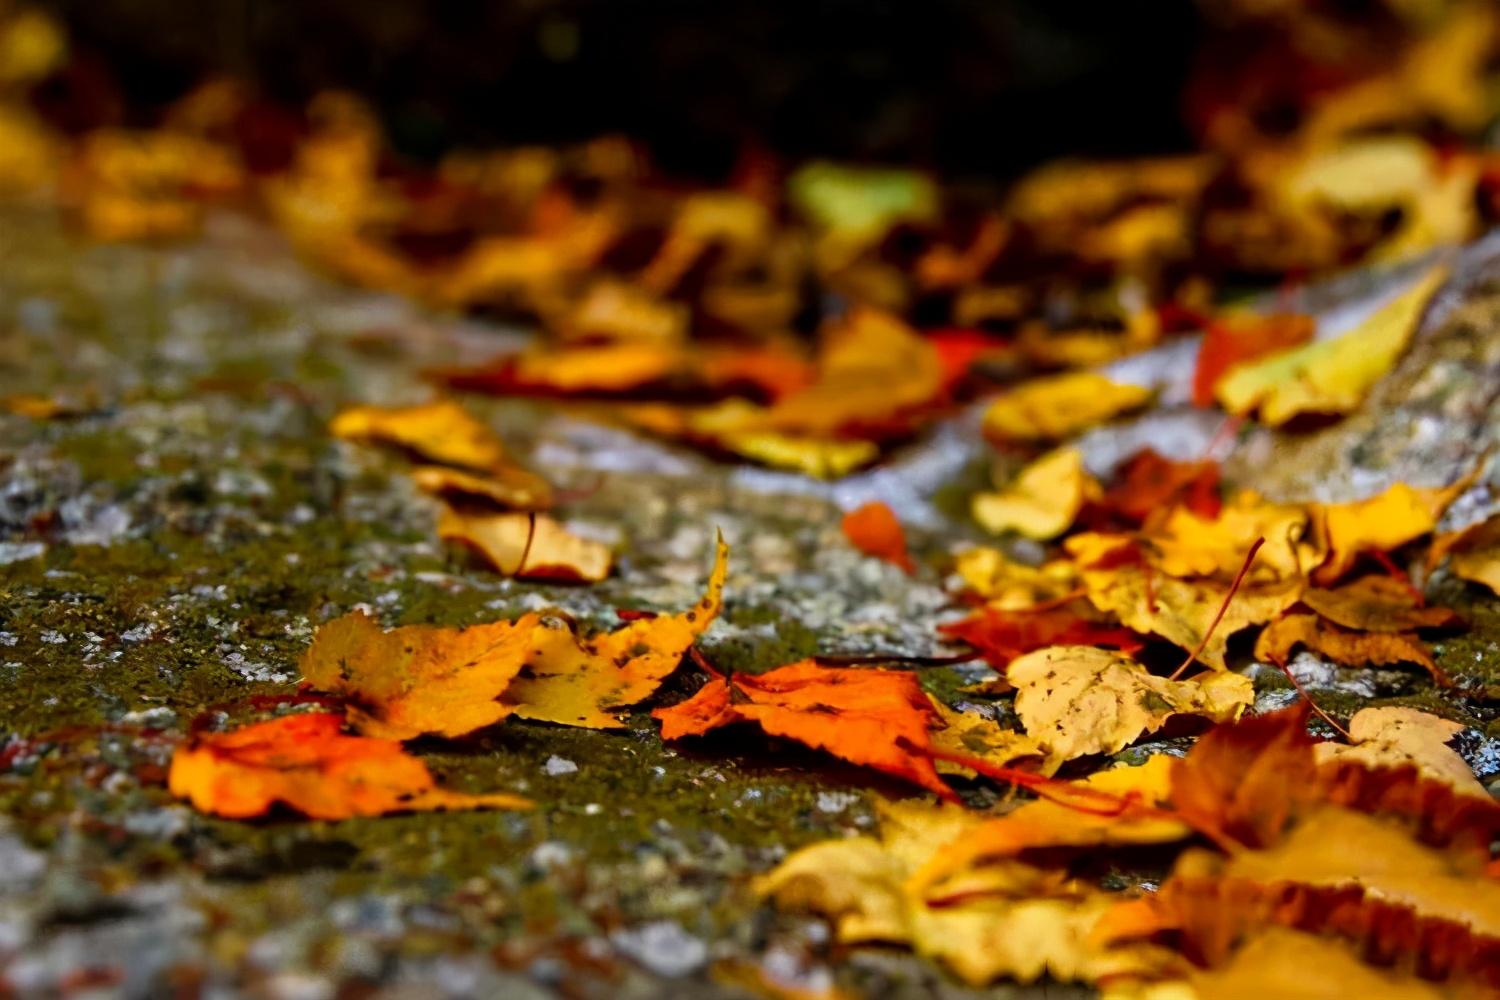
[
  {"x": 1011, "y": 586},
  {"x": 1058, "y": 406},
  {"x": 1289, "y": 965},
  {"x": 578, "y": 681},
  {"x": 1382, "y": 522},
  {"x": 1182, "y": 610},
  {"x": 1043, "y": 500},
  {"x": 821, "y": 458},
  {"x": 1473, "y": 553},
  {"x": 1330, "y": 376},
  {"x": 509, "y": 486},
  {"x": 29, "y": 153},
  {"x": 420, "y": 678},
  {"x": 1392, "y": 736},
  {"x": 613, "y": 367},
  {"x": 1078, "y": 700},
  {"x": 1007, "y": 919},
  {"x": 306, "y": 763},
  {"x": 527, "y": 546},
  {"x": 1188, "y": 545},
  {"x": 441, "y": 432}
]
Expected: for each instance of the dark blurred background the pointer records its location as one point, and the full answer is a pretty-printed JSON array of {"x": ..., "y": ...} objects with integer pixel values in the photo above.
[{"x": 976, "y": 89}]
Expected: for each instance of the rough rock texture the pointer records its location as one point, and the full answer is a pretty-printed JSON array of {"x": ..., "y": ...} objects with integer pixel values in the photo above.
[{"x": 172, "y": 548}]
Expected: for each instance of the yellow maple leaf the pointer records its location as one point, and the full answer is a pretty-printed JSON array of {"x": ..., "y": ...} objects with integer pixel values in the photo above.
[
  {"x": 1058, "y": 406},
  {"x": 1394, "y": 736},
  {"x": 1078, "y": 700},
  {"x": 1187, "y": 545},
  {"x": 973, "y": 735},
  {"x": 441, "y": 431},
  {"x": 1043, "y": 500},
  {"x": 1183, "y": 610},
  {"x": 527, "y": 546},
  {"x": 1007, "y": 585},
  {"x": 418, "y": 679},
  {"x": 1329, "y": 376},
  {"x": 578, "y": 681}
]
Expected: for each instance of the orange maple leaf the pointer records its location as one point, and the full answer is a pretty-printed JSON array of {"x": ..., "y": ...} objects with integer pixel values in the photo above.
[
  {"x": 874, "y": 529},
  {"x": 305, "y": 762},
  {"x": 877, "y": 718},
  {"x": 1004, "y": 635}
]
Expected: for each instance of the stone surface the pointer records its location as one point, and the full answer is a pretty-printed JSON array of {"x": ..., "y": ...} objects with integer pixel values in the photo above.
[{"x": 170, "y": 551}]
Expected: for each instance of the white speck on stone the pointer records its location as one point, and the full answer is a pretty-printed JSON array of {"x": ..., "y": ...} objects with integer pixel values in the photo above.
[
  {"x": 663, "y": 947},
  {"x": 9, "y": 638},
  {"x": 551, "y": 854},
  {"x": 254, "y": 671},
  {"x": 139, "y": 633},
  {"x": 836, "y": 802},
  {"x": 53, "y": 637},
  {"x": 593, "y": 809},
  {"x": 559, "y": 765}
]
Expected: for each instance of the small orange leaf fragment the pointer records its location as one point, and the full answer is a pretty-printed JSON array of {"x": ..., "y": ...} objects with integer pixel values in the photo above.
[
  {"x": 875, "y": 531},
  {"x": 442, "y": 431},
  {"x": 306, "y": 763},
  {"x": 528, "y": 546}
]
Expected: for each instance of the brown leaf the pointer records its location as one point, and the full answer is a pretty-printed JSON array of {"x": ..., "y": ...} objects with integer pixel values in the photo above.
[
  {"x": 1377, "y": 604},
  {"x": 1353, "y": 649}
]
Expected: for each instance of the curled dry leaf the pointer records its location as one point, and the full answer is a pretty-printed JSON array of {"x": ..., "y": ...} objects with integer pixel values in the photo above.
[
  {"x": 510, "y": 487},
  {"x": 1058, "y": 406},
  {"x": 874, "y": 529},
  {"x": 1392, "y": 736},
  {"x": 574, "y": 680},
  {"x": 304, "y": 762},
  {"x": 1078, "y": 700},
  {"x": 1006, "y": 919},
  {"x": 442, "y": 431},
  {"x": 1119, "y": 805},
  {"x": 418, "y": 679},
  {"x": 1377, "y": 604},
  {"x": 1330, "y": 376},
  {"x": 1352, "y": 649},
  {"x": 528, "y": 546},
  {"x": 1043, "y": 500},
  {"x": 877, "y": 718},
  {"x": 1473, "y": 553}
]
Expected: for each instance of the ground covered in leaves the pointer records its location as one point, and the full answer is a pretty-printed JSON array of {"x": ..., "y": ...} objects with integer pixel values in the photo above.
[{"x": 173, "y": 544}]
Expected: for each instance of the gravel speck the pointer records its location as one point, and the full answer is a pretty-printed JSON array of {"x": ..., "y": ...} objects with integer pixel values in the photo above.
[{"x": 662, "y": 947}]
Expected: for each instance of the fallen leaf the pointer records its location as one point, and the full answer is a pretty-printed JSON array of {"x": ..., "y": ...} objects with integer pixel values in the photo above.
[
  {"x": 1008, "y": 919},
  {"x": 1059, "y": 406},
  {"x": 306, "y": 763},
  {"x": 583, "y": 681},
  {"x": 1238, "y": 339},
  {"x": 1148, "y": 483},
  {"x": 1473, "y": 553},
  {"x": 1352, "y": 649},
  {"x": 527, "y": 546},
  {"x": 1382, "y": 522},
  {"x": 874, "y": 530},
  {"x": 1078, "y": 700},
  {"x": 442, "y": 431},
  {"x": 509, "y": 487},
  {"x": 1377, "y": 604},
  {"x": 876, "y": 718},
  {"x": 1042, "y": 501},
  {"x": 1004, "y": 635},
  {"x": 1330, "y": 376},
  {"x": 1007, "y": 585},
  {"x": 1187, "y": 544},
  {"x": 417, "y": 679},
  {"x": 1076, "y": 814},
  {"x": 1183, "y": 611},
  {"x": 1390, "y": 736},
  {"x": 973, "y": 735}
]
